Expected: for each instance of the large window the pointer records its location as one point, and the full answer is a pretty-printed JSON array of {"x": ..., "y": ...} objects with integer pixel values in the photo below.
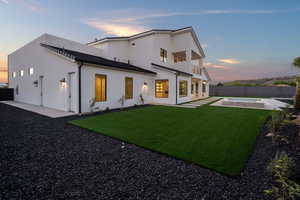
[
  {"x": 183, "y": 88},
  {"x": 161, "y": 88},
  {"x": 163, "y": 55},
  {"x": 128, "y": 88},
  {"x": 100, "y": 87}
]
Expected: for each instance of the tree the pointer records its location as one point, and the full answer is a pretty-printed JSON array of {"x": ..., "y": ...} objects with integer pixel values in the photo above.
[
  {"x": 296, "y": 63},
  {"x": 220, "y": 84}
]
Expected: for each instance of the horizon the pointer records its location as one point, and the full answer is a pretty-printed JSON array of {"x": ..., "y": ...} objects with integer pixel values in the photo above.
[{"x": 241, "y": 40}]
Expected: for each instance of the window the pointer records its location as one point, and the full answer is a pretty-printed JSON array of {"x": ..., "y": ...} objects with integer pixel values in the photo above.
[
  {"x": 183, "y": 88},
  {"x": 163, "y": 55},
  {"x": 128, "y": 88},
  {"x": 30, "y": 71},
  {"x": 14, "y": 74},
  {"x": 204, "y": 87},
  {"x": 179, "y": 56},
  {"x": 21, "y": 73},
  {"x": 161, "y": 88},
  {"x": 100, "y": 87}
]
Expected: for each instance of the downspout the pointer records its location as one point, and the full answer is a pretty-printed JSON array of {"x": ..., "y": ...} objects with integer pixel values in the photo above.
[
  {"x": 79, "y": 87},
  {"x": 176, "y": 75}
]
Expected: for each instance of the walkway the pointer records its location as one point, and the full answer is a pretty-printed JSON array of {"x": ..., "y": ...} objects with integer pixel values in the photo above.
[
  {"x": 49, "y": 112},
  {"x": 200, "y": 102}
]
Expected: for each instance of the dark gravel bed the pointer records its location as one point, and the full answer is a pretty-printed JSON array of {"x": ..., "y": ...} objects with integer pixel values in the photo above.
[{"x": 43, "y": 158}]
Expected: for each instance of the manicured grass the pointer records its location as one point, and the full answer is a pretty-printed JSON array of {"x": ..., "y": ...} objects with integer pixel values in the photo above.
[{"x": 219, "y": 138}]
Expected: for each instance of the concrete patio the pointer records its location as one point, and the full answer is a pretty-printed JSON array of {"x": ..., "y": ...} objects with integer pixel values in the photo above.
[{"x": 49, "y": 112}]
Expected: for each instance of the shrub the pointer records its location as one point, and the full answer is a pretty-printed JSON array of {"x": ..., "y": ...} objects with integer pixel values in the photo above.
[
  {"x": 92, "y": 104},
  {"x": 274, "y": 125},
  {"x": 281, "y": 168},
  {"x": 122, "y": 100},
  {"x": 142, "y": 99}
]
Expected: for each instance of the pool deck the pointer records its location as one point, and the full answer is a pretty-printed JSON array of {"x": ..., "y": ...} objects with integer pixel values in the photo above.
[{"x": 269, "y": 104}]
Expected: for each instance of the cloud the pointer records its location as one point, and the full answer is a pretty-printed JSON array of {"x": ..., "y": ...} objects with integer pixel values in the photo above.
[
  {"x": 229, "y": 61},
  {"x": 126, "y": 22},
  {"x": 4, "y": 1},
  {"x": 215, "y": 66},
  {"x": 119, "y": 29}
]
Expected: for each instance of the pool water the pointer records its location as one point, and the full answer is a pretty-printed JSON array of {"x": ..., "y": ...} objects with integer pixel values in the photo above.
[{"x": 243, "y": 99}]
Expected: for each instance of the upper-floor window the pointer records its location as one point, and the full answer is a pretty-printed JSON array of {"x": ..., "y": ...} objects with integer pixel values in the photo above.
[
  {"x": 21, "y": 73},
  {"x": 14, "y": 74},
  {"x": 179, "y": 56},
  {"x": 163, "y": 55},
  {"x": 30, "y": 71}
]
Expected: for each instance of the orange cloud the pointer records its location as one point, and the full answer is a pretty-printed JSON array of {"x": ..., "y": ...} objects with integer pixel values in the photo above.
[
  {"x": 229, "y": 61},
  {"x": 117, "y": 29},
  {"x": 211, "y": 65}
]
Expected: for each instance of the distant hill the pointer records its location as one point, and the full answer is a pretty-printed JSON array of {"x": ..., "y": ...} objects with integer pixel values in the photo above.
[{"x": 276, "y": 81}]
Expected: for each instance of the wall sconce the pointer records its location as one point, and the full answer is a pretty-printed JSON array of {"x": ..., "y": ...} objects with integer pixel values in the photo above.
[
  {"x": 35, "y": 83},
  {"x": 63, "y": 83},
  {"x": 145, "y": 86}
]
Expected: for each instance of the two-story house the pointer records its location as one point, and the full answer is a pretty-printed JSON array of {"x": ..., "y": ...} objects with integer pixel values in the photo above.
[{"x": 157, "y": 66}]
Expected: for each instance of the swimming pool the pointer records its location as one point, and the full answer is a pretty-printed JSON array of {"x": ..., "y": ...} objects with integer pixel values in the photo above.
[
  {"x": 237, "y": 99},
  {"x": 257, "y": 103}
]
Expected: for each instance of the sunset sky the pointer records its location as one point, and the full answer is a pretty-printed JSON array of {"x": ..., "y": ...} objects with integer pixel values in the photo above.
[{"x": 242, "y": 39}]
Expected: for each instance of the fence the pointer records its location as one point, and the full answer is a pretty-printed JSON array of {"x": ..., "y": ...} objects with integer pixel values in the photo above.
[
  {"x": 252, "y": 91},
  {"x": 6, "y": 94}
]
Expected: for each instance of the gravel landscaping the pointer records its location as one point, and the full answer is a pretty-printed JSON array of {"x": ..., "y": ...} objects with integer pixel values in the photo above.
[{"x": 43, "y": 158}]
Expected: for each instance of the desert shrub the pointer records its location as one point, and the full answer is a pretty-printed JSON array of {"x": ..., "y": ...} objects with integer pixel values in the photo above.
[
  {"x": 92, "y": 104},
  {"x": 281, "y": 168},
  {"x": 278, "y": 120},
  {"x": 142, "y": 99},
  {"x": 122, "y": 100}
]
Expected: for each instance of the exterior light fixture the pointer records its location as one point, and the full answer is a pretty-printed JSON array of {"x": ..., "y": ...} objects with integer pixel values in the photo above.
[
  {"x": 35, "y": 83},
  {"x": 145, "y": 84},
  {"x": 63, "y": 82}
]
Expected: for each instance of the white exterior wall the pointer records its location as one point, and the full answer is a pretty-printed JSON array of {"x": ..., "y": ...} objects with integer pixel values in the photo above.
[
  {"x": 115, "y": 88},
  {"x": 45, "y": 63},
  {"x": 53, "y": 67}
]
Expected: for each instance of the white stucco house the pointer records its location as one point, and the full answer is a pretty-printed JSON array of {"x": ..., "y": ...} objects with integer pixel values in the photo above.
[{"x": 157, "y": 66}]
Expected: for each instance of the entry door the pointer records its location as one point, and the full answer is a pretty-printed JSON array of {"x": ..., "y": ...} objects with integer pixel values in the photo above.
[
  {"x": 71, "y": 92},
  {"x": 42, "y": 90}
]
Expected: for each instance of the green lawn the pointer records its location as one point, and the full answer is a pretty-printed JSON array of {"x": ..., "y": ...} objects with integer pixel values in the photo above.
[{"x": 214, "y": 137}]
